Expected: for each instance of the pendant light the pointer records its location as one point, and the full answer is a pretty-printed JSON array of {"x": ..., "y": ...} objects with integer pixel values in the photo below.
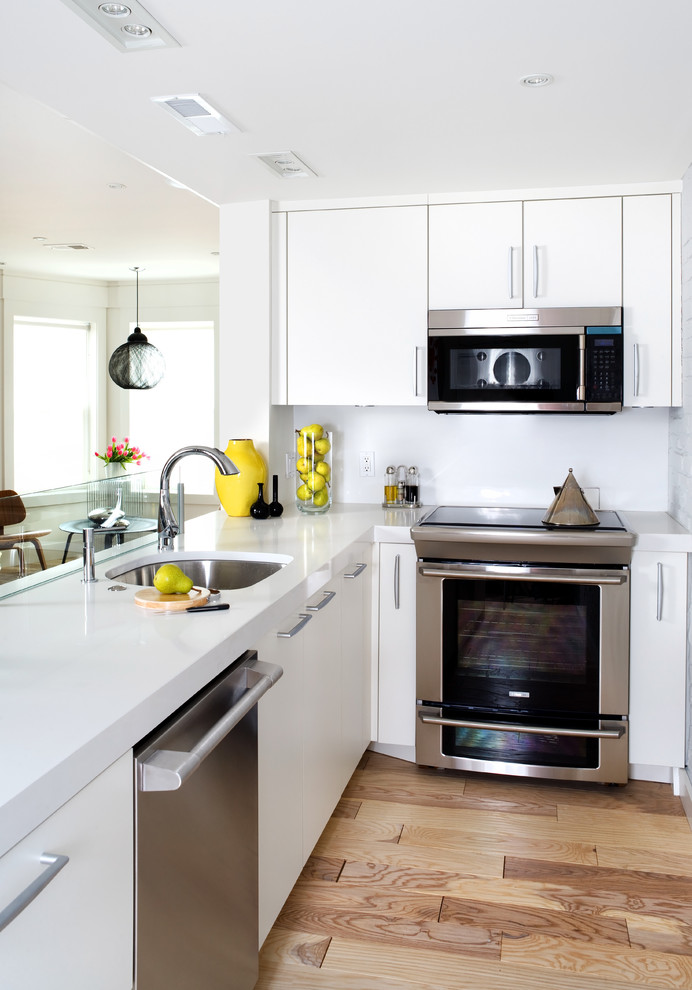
[{"x": 137, "y": 363}]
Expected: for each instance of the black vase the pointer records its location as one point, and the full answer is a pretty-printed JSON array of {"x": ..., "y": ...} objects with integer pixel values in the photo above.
[
  {"x": 275, "y": 507},
  {"x": 260, "y": 509}
]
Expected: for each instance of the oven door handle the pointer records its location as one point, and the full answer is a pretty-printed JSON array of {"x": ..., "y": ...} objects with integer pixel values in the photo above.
[
  {"x": 563, "y": 575},
  {"x": 534, "y": 730}
]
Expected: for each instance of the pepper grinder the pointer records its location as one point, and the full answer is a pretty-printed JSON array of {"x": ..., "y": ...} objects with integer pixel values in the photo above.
[{"x": 275, "y": 507}]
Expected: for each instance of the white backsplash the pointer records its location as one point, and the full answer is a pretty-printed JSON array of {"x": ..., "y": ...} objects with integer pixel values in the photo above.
[{"x": 503, "y": 460}]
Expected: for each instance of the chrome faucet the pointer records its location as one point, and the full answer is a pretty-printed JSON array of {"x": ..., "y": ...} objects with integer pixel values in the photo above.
[{"x": 168, "y": 527}]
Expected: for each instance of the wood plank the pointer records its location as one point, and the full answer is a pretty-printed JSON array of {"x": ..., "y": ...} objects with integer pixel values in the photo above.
[
  {"x": 659, "y": 934},
  {"x": 520, "y": 921},
  {"x": 471, "y": 862},
  {"x": 437, "y": 790},
  {"x": 573, "y": 824},
  {"x": 647, "y": 860},
  {"x": 638, "y": 968},
  {"x": 637, "y": 795},
  {"x": 442, "y": 971},
  {"x": 361, "y": 830},
  {"x": 505, "y": 842},
  {"x": 589, "y": 888},
  {"x": 342, "y": 910}
]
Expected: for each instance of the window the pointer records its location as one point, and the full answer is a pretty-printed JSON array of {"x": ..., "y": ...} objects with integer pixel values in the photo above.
[
  {"x": 52, "y": 403},
  {"x": 180, "y": 410}
]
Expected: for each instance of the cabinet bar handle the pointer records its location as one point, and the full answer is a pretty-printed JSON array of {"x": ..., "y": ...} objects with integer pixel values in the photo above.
[
  {"x": 358, "y": 570},
  {"x": 53, "y": 863},
  {"x": 533, "y": 730},
  {"x": 326, "y": 598},
  {"x": 397, "y": 563},
  {"x": 535, "y": 271},
  {"x": 635, "y": 383},
  {"x": 302, "y": 621},
  {"x": 659, "y": 592},
  {"x": 416, "y": 376},
  {"x": 510, "y": 273}
]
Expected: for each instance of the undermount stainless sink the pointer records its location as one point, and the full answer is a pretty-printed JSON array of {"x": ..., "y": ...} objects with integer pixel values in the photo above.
[{"x": 223, "y": 571}]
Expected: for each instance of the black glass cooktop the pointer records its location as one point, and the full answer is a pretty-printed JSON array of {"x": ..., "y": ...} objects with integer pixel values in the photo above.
[{"x": 504, "y": 516}]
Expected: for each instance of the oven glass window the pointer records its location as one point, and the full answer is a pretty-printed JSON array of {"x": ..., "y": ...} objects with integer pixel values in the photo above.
[
  {"x": 521, "y": 646},
  {"x": 548, "y": 750}
]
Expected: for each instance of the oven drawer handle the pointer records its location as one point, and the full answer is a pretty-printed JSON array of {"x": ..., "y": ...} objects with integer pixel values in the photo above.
[
  {"x": 534, "y": 730},
  {"x": 563, "y": 575}
]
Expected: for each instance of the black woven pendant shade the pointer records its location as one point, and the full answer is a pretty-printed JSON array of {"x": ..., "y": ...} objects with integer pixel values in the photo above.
[{"x": 136, "y": 363}]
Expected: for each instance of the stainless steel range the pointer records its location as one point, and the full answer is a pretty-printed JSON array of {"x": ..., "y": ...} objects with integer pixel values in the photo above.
[{"x": 522, "y": 644}]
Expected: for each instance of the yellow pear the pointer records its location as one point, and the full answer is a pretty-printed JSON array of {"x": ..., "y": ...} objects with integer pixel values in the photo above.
[{"x": 170, "y": 580}]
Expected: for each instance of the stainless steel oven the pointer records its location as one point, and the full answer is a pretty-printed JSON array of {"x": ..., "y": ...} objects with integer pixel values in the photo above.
[{"x": 522, "y": 644}]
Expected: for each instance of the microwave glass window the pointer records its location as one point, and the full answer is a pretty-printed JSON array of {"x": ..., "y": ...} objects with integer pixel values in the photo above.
[{"x": 505, "y": 368}]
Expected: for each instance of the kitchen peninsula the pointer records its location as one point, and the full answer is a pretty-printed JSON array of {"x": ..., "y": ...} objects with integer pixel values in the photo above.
[{"x": 86, "y": 673}]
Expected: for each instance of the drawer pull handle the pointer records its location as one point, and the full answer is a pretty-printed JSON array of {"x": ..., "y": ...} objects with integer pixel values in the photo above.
[
  {"x": 53, "y": 863},
  {"x": 357, "y": 571},
  {"x": 326, "y": 598},
  {"x": 302, "y": 621}
]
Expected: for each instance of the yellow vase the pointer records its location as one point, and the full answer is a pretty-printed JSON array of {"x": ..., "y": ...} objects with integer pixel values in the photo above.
[{"x": 237, "y": 492}]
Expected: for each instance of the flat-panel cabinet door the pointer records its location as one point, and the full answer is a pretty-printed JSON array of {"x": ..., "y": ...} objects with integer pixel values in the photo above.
[
  {"x": 475, "y": 259},
  {"x": 280, "y": 716},
  {"x": 77, "y": 934},
  {"x": 321, "y": 712},
  {"x": 652, "y": 327},
  {"x": 397, "y": 655},
  {"x": 573, "y": 252},
  {"x": 357, "y": 306},
  {"x": 355, "y": 661},
  {"x": 657, "y": 658}
]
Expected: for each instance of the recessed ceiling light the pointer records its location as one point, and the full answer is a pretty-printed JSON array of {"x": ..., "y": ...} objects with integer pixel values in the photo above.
[
  {"x": 117, "y": 185},
  {"x": 114, "y": 9},
  {"x": 68, "y": 247},
  {"x": 287, "y": 165},
  {"x": 196, "y": 114},
  {"x": 141, "y": 32},
  {"x": 136, "y": 30},
  {"x": 536, "y": 79}
]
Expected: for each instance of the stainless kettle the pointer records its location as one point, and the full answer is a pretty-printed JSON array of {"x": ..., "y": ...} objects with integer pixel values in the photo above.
[{"x": 570, "y": 507}]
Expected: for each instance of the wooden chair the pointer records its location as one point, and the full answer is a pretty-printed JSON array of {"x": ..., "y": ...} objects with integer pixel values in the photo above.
[{"x": 12, "y": 512}]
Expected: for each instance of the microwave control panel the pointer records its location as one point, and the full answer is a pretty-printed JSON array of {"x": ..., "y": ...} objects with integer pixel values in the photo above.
[{"x": 604, "y": 364}]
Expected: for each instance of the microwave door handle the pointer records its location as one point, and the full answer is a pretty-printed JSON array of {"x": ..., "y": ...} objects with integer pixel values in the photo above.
[{"x": 581, "y": 387}]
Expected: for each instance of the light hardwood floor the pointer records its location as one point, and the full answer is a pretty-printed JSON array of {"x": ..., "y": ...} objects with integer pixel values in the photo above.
[{"x": 447, "y": 881}]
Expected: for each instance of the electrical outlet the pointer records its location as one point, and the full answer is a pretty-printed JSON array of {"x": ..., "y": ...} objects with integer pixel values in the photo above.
[
  {"x": 290, "y": 464},
  {"x": 367, "y": 464}
]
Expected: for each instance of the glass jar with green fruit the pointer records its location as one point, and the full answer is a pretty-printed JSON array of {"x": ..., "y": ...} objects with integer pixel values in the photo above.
[{"x": 313, "y": 468}]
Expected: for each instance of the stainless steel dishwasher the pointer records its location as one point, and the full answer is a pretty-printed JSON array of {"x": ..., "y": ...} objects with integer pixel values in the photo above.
[{"x": 196, "y": 838}]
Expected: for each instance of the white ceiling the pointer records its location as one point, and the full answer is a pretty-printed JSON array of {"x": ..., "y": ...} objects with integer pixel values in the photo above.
[{"x": 379, "y": 97}]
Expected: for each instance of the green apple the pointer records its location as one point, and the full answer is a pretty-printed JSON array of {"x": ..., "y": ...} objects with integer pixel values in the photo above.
[{"x": 170, "y": 580}]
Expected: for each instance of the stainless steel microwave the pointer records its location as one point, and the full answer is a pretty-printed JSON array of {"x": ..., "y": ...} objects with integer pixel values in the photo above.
[{"x": 525, "y": 360}]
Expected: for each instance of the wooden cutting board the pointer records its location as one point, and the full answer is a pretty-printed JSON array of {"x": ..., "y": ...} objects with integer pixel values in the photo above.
[{"x": 151, "y": 598}]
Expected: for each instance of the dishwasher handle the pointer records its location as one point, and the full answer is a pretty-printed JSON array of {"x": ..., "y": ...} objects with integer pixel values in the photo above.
[{"x": 167, "y": 770}]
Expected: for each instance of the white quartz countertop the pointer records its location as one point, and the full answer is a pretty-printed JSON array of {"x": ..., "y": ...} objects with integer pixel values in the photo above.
[{"x": 85, "y": 673}]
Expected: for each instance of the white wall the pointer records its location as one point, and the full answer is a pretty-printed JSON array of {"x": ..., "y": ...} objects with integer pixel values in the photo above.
[{"x": 504, "y": 460}]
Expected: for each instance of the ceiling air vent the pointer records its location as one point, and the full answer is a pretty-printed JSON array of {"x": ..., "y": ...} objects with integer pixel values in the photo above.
[
  {"x": 287, "y": 164},
  {"x": 196, "y": 114}
]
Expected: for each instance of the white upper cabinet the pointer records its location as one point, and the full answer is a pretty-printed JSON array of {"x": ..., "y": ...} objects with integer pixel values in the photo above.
[
  {"x": 573, "y": 252},
  {"x": 651, "y": 280},
  {"x": 476, "y": 256},
  {"x": 536, "y": 253},
  {"x": 357, "y": 306}
]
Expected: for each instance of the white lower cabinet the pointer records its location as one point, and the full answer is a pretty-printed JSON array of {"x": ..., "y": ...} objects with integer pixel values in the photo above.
[
  {"x": 77, "y": 934},
  {"x": 396, "y": 721},
  {"x": 313, "y": 726},
  {"x": 657, "y": 659}
]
